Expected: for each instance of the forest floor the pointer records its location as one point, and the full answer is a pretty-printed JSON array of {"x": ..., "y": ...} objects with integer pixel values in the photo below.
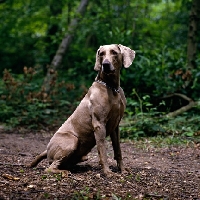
[{"x": 168, "y": 172}]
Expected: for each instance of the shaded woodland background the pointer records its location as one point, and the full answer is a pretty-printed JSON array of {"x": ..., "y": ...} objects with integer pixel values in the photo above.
[{"x": 47, "y": 55}]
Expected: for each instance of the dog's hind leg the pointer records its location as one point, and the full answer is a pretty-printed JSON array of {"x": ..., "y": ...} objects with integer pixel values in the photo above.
[
  {"x": 84, "y": 158},
  {"x": 38, "y": 159},
  {"x": 62, "y": 156}
]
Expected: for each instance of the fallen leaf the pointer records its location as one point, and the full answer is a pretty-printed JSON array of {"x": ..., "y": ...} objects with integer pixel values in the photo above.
[
  {"x": 10, "y": 177},
  {"x": 31, "y": 186},
  {"x": 98, "y": 175}
]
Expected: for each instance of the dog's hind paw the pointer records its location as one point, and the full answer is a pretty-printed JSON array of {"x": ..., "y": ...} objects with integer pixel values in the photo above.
[
  {"x": 84, "y": 158},
  {"x": 64, "y": 173}
]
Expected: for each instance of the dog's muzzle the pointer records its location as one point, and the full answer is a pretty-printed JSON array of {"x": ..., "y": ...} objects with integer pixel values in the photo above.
[{"x": 107, "y": 67}]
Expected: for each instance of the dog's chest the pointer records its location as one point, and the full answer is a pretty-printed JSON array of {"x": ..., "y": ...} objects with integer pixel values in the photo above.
[{"x": 117, "y": 109}]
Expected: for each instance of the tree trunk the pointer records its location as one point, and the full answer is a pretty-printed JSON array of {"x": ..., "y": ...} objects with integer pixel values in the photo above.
[
  {"x": 51, "y": 76},
  {"x": 192, "y": 34},
  {"x": 53, "y": 28}
]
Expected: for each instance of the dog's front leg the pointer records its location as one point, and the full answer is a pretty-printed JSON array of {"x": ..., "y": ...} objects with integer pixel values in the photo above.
[
  {"x": 115, "y": 137},
  {"x": 100, "y": 109},
  {"x": 98, "y": 122},
  {"x": 100, "y": 135}
]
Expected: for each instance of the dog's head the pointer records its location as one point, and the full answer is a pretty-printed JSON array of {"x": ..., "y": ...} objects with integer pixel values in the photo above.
[{"x": 111, "y": 57}]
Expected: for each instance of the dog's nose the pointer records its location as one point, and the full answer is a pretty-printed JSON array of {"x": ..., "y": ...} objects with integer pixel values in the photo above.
[
  {"x": 106, "y": 62},
  {"x": 107, "y": 66}
]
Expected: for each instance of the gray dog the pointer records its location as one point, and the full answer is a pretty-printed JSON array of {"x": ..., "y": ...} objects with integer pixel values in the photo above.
[{"x": 97, "y": 116}]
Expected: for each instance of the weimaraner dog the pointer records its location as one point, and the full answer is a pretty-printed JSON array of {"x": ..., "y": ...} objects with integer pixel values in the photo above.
[{"x": 97, "y": 116}]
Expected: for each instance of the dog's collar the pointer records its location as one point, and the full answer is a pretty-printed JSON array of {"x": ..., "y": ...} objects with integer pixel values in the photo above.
[{"x": 113, "y": 89}]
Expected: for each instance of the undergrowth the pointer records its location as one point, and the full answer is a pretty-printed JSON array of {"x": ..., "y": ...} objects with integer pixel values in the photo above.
[
  {"x": 139, "y": 123},
  {"x": 23, "y": 103}
]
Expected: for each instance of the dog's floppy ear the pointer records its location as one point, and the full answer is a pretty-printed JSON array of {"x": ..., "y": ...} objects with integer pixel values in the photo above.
[
  {"x": 97, "y": 65},
  {"x": 128, "y": 55}
]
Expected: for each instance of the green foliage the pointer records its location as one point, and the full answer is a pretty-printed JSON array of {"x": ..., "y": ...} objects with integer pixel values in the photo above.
[
  {"x": 23, "y": 102},
  {"x": 164, "y": 141},
  {"x": 154, "y": 71},
  {"x": 138, "y": 123},
  {"x": 30, "y": 32}
]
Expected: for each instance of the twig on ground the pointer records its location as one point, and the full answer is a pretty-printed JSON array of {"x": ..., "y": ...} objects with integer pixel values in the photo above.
[
  {"x": 156, "y": 196},
  {"x": 183, "y": 109},
  {"x": 10, "y": 164}
]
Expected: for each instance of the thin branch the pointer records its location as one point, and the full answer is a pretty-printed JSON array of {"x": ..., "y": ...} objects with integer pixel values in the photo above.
[
  {"x": 183, "y": 109},
  {"x": 156, "y": 195},
  {"x": 177, "y": 94}
]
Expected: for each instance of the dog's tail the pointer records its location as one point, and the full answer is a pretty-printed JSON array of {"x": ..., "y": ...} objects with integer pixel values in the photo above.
[{"x": 38, "y": 159}]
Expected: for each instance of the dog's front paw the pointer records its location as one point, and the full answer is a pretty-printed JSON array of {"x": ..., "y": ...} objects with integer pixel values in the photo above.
[
  {"x": 120, "y": 166},
  {"x": 108, "y": 173}
]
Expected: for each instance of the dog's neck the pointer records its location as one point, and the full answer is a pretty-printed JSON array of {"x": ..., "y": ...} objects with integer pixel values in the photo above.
[{"x": 111, "y": 80}]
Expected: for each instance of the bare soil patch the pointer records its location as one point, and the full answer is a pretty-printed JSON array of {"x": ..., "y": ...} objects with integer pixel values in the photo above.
[{"x": 151, "y": 173}]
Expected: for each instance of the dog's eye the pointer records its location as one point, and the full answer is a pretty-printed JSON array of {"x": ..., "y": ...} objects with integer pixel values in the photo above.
[
  {"x": 113, "y": 52},
  {"x": 101, "y": 54}
]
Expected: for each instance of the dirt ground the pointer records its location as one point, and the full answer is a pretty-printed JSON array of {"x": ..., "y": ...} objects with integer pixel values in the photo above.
[{"x": 151, "y": 173}]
